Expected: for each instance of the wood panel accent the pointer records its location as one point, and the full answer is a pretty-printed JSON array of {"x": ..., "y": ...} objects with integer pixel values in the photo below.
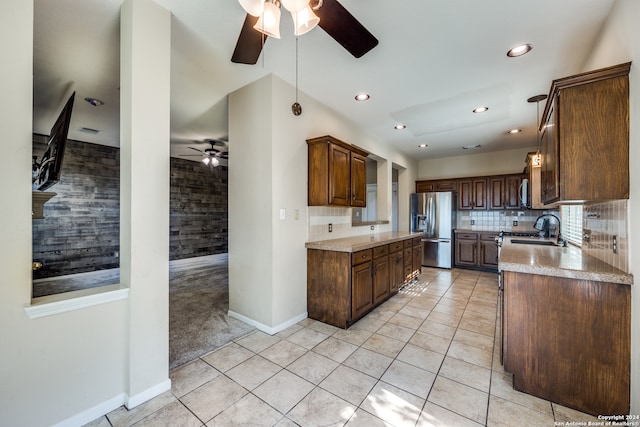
[
  {"x": 568, "y": 341},
  {"x": 80, "y": 231},
  {"x": 198, "y": 222}
]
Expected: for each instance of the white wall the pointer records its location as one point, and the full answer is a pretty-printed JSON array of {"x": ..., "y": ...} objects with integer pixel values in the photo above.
[
  {"x": 71, "y": 367},
  {"x": 619, "y": 42},
  {"x": 267, "y": 257},
  {"x": 481, "y": 164}
]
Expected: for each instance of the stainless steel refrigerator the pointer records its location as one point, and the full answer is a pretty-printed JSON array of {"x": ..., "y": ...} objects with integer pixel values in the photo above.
[{"x": 434, "y": 215}]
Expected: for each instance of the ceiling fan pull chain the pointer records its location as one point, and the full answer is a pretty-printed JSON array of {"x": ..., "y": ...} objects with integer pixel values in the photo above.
[{"x": 296, "y": 108}]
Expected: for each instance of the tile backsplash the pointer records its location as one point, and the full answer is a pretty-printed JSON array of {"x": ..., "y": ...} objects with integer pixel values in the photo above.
[
  {"x": 506, "y": 220},
  {"x": 606, "y": 220},
  {"x": 340, "y": 219}
]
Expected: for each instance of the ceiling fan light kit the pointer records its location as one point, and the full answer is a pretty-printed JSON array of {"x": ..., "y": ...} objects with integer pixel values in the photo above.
[
  {"x": 269, "y": 21},
  {"x": 304, "y": 20},
  {"x": 252, "y": 7},
  {"x": 263, "y": 17}
]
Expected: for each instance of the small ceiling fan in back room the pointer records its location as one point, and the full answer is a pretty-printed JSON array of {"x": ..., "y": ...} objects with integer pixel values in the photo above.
[
  {"x": 263, "y": 19},
  {"x": 213, "y": 156}
]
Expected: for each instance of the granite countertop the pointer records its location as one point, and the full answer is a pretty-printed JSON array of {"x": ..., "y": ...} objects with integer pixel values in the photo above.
[
  {"x": 359, "y": 243},
  {"x": 570, "y": 262}
]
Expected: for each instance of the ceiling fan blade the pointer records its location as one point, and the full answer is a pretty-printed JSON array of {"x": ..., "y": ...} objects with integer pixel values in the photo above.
[
  {"x": 340, "y": 24},
  {"x": 249, "y": 44},
  {"x": 199, "y": 151}
]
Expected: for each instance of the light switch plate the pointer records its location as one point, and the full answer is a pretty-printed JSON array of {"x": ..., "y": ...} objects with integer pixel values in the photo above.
[{"x": 282, "y": 214}]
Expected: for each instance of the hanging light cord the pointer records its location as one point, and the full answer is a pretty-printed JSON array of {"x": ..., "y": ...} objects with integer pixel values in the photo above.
[{"x": 296, "y": 69}]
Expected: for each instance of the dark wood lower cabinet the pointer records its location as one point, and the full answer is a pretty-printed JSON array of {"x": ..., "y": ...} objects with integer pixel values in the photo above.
[
  {"x": 362, "y": 289},
  {"x": 476, "y": 250},
  {"x": 568, "y": 341},
  {"x": 342, "y": 286}
]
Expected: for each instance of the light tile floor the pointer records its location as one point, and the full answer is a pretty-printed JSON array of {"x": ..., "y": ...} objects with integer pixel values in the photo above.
[{"x": 427, "y": 357}]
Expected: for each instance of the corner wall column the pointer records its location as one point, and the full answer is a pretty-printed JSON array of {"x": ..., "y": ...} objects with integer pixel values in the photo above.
[{"x": 145, "y": 64}]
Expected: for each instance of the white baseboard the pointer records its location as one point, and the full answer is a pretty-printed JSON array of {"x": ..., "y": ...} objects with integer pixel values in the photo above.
[
  {"x": 268, "y": 329},
  {"x": 107, "y": 406},
  {"x": 91, "y": 414},
  {"x": 133, "y": 401}
]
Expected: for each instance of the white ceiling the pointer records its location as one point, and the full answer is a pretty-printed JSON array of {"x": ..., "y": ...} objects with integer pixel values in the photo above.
[{"x": 435, "y": 62}]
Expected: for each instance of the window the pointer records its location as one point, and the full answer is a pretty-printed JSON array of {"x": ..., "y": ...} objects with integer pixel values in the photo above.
[{"x": 572, "y": 223}]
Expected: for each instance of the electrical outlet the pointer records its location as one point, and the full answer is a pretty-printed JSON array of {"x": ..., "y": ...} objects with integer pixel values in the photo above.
[
  {"x": 330, "y": 228},
  {"x": 373, "y": 227},
  {"x": 515, "y": 223},
  {"x": 615, "y": 244}
]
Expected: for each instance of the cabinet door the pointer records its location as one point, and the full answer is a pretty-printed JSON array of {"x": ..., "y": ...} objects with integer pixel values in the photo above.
[
  {"x": 361, "y": 290},
  {"x": 425, "y": 186},
  {"x": 496, "y": 192},
  {"x": 466, "y": 252},
  {"x": 511, "y": 194},
  {"x": 480, "y": 194},
  {"x": 446, "y": 185},
  {"x": 465, "y": 194},
  {"x": 472, "y": 194},
  {"x": 488, "y": 254},
  {"x": 339, "y": 176},
  {"x": 358, "y": 180},
  {"x": 380, "y": 279},
  {"x": 550, "y": 167},
  {"x": 396, "y": 274}
]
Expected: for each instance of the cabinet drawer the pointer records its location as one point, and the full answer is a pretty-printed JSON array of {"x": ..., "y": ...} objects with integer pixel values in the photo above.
[
  {"x": 395, "y": 247},
  {"x": 361, "y": 256},
  {"x": 379, "y": 251},
  {"x": 408, "y": 243},
  {"x": 416, "y": 241},
  {"x": 488, "y": 236},
  {"x": 467, "y": 236}
]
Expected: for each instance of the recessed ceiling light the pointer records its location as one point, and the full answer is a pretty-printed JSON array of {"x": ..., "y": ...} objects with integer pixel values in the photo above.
[
  {"x": 480, "y": 109},
  {"x": 422, "y": 146},
  {"x": 94, "y": 101},
  {"x": 400, "y": 127},
  {"x": 519, "y": 50},
  {"x": 471, "y": 147},
  {"x": 362, "y": 97},
  {"x": 514, "y": 131}
]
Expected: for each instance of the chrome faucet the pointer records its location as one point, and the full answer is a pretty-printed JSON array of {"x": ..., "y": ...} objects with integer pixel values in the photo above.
[{"x": 542, "y": 225}]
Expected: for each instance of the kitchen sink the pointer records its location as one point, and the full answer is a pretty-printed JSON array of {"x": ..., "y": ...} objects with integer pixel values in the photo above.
[{"x": 533, "y": 242}]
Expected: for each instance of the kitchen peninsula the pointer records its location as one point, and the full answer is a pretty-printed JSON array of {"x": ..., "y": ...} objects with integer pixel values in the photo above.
[
  {"x": 566, "y": 326},
  {"x": 348, "y": 277}
]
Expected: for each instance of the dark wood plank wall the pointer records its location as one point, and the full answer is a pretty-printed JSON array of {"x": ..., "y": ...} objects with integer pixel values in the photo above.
[
  {"x": 81, "y": 228},
  {"x": 198, "y": 222}
]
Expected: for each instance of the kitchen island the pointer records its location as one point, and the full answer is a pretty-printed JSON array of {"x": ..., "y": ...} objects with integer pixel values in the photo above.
[
  {"x": 350, "y": 276},
  {"x": 566, "y": 326}
]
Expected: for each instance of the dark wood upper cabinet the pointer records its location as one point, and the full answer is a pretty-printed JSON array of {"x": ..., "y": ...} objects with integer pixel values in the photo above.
[
  {"x": 436, "y": 185},
  {"x": 504, "y": 191},
  {"x": 337, "y": 173},
  {"x": 585, "y": 137},
  {"x": 472, "y": 193}
]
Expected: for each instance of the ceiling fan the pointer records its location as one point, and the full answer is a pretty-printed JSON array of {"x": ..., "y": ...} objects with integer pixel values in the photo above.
[
  {"x": 211, "y": 156},
  {"x": 334, "y": 19}
]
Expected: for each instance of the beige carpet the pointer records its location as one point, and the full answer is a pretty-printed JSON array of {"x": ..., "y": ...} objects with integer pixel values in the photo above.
[{"x": 198, "y": 306}]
